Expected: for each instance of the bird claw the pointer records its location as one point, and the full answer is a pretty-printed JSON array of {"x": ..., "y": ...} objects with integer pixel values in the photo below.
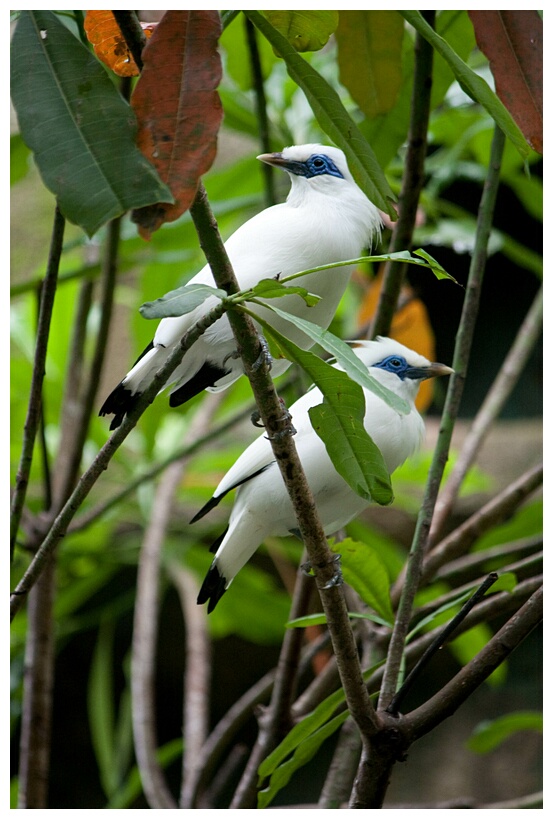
[
  {"x": 264, "y": 356},
  {"x": 286, "y": 420},
  {"x": 337, "y": 578}
]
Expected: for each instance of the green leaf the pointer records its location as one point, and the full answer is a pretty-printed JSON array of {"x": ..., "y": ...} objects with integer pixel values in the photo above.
[
  {"x": 477, "y": 88},
  {"x": 19, "y": 159},
  {"x": 272, "y": 289},
  {"x": 303, "y": 754},
  {"x": 332, "y": 117},
  {"x": 180, "y": 301},
  {"x": 491, "y": 733},
  {"x": 78, "y": 125},
  {"x": 435, "y": 266},
  {"x": 336, "y": 347},
  {"x": 101, "y": 709},
  {"x": 339, "y": 424},
  {"x": 365, "y": 572},
  {"x": 369, "y": 58},
  {"x": 304, "y": 30}
]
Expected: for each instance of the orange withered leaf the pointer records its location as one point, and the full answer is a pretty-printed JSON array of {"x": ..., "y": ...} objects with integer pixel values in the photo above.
[{"x": 109, "y": 44}]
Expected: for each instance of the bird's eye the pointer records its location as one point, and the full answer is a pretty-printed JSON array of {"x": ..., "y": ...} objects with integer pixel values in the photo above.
[
  {"x": 395, "y": 362},
  {"x": 318, "y": 162}
]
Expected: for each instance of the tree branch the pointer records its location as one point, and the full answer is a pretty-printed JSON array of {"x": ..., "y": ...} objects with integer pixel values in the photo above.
[
  {"x": 35, "y": 398},
  {"x": 453, "y": 399}
]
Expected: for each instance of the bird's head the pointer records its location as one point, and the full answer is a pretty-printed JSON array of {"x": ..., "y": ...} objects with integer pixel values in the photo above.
[
  {"x": 396, "y": 366},
  {"x": 317, "y": 166}
]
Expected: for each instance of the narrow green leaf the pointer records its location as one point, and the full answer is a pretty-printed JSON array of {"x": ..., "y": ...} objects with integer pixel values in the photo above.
[
  {"x": 304, "y": 753},
  {"x": 300, "y": 732},
  {"x": 101, "y": 709},
  {"x": 491, "y": 733},
  {"x": 272, "y": 289},
  {"x": 332, "y": 117},
  {"x": 435, "y": 266},
  {"x": 365, "y": 572},
  {"x": 180, "y": 301},
  {"x": 341, "y": 351},
  {"x": 477, "y": 88},
  {"x": 78, "y": 125}
]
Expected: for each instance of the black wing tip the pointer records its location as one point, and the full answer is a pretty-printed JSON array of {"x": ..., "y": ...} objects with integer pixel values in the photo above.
[{"x": 213, "y": 588}]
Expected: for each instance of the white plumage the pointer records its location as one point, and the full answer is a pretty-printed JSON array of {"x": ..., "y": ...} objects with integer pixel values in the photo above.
[
  {"x": 326, "y": 218},
  {"x": 262, "y": 507}
]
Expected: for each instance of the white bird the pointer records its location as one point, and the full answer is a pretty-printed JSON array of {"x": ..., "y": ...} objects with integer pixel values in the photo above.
[
  {"x": 262, "y": 507},
  {"x": 326, "y": 218}
]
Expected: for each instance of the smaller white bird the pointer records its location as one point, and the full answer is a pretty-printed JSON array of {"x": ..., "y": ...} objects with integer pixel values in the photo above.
[
  {"x": 326, "y": 218},
  {"x": 262, "y": 507}
]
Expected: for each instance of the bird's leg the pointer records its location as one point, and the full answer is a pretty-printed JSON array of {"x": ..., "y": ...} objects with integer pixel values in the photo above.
[
  {"x": 285, "y": 420},
  {"x": 337, "y": 578}
]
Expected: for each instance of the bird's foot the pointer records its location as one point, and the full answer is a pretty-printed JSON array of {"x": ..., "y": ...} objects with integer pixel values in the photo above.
[
  {"x": 285, "y": 420},
  {"x": 337, "y": 578},
  {"x": 264, "y": 356}
]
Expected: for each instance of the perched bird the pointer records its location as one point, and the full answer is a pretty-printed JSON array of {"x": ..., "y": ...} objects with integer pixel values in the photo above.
[
  {"x": 326, "y": 218},
  {"x": 262, "y": 507}
]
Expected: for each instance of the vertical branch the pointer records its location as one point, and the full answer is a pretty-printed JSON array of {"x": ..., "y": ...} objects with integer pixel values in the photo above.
[
  {"x": 261, "y": 108},
  {"x": 33, "y": 411},
  {"x": 453, "y": 399},
  {"x": 413, "y": 179},
  {"x": 36, "y": 717}
]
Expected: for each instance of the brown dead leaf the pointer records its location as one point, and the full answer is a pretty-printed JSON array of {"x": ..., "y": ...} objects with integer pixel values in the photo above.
[
  {"x": 178, "y": 108},
  {"x": 513, "y": 43}
]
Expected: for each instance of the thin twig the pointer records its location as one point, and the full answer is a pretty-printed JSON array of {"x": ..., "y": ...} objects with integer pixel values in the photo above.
[
  {"x": 33, "y": 410},
  {"x": 440, "y": 640},
  {"x": 132, "y": 32},
  {"x": 436, "y": 709},
  {"x": 261, "y": 110},
  {"x": 454, "y": 393}
]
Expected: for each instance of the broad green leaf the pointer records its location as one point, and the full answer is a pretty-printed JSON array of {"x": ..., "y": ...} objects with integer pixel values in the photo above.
[
  {"x": 320, "y": 620},
  {"x": 332, "y": 117},
  {"x": 490, "y": 733},
  {"x": 364, "y": 571},
  {"x": 272, "y": 289},
  {"x": 369, "y": 58},
  {"x": 19, "y": 159},
  {"x": 339, "y": 424},
  {"x": 336, "y": 347},
  {"x": 304, "y": 30},
  {"x": 180, "y": 301},
  {"x": 78, "y": 126},
  {"x": 477, "y": 88}
]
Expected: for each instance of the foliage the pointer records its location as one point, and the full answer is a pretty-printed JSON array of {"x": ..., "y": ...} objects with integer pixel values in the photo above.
[{"x": 78, "y": 132}]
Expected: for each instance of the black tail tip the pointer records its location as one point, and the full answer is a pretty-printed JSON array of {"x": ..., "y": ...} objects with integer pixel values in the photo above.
[
  {"x": 213, "y": 588},
  {"x": 118, "y": 403}
]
